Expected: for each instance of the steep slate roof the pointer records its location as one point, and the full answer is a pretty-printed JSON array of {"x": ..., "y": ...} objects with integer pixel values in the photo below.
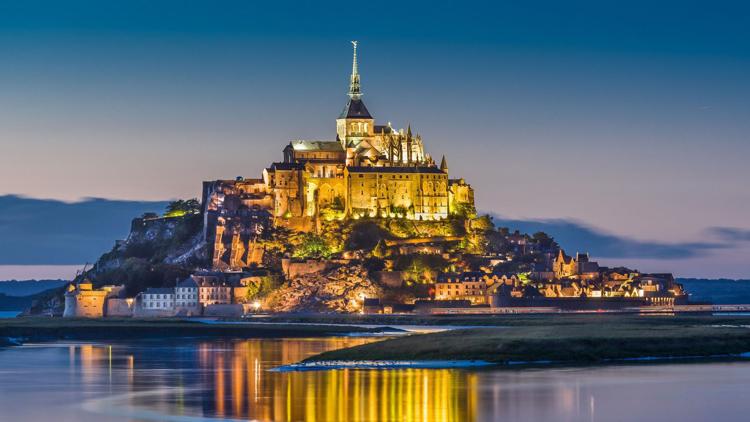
[
  {"x": 159, "y": 290},
  {"x": 355, "y": 109},
  {"x": 287, "y": 166},
  {"x": 461, "y": 277},
  {"x": 302, "y": 145},
  {"x": 188, "y": 282},
  {"x": 431, "y": 170},
  {"x": 383, "y": 129}
]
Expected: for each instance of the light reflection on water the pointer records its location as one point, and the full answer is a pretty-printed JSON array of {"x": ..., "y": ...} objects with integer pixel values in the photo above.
[{"x": 228, "y": 380}]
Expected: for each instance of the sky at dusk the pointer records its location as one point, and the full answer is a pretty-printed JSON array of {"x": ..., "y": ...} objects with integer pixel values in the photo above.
[{"x": 631, "y": 118}]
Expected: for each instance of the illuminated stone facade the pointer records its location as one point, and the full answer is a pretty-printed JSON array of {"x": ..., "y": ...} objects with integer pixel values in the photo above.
[
  {"x": 83, "y": 301},
  {"x": 368, "y": 170},
  {"x": 580, "y": 267}
]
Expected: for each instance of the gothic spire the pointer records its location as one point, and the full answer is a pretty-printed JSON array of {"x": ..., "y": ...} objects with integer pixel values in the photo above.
[
  {"x": 355, "y": 108},
  {"x": 354, "y": 91},
  {"x": 444, "y": 164}
]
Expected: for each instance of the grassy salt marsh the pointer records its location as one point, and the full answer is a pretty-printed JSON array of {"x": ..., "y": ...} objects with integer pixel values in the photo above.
[{"x": 567, "y": 340}]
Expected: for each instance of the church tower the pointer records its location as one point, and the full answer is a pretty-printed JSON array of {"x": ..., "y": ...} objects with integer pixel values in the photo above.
[{"x": 355, "y": 122}]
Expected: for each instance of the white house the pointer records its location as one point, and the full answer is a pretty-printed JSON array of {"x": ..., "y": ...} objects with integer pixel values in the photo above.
[
  {"x": 158, "y": 299},
  {"x": 186, "y": 297}
]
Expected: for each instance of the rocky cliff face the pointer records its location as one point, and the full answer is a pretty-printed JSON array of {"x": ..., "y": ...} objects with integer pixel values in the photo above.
[
  {"x": 337, "y": 290},
  {"x": 156, "y": 253},
  {"x": 175, "y": 241}
]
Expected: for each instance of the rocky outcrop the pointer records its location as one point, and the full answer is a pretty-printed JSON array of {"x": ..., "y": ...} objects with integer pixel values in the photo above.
[
  {"x": 341, "y": 289},
  {"x": 169, "y": 240}
]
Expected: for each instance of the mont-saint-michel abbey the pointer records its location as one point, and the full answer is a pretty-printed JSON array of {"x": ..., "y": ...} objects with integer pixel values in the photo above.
[
  {"x": 230, "y": 211},
  {"x": 366, "y": 170},
  {"x": 367, "y": 221}
]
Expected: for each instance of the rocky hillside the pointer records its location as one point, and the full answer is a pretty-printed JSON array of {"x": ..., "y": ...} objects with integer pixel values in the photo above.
[
  {"x": 157, "y": 252},
  {"x": 338, "y": 290}
]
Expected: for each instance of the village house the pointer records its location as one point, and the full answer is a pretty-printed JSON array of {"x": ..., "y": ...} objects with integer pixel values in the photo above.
[
  {"x": 475, "y": 286},
  {"x": 159, "y": 300},
  {"x": 186, "y": 297},
  {"x": 579, "y": 267},
  {"x": 212, "y": 290}
]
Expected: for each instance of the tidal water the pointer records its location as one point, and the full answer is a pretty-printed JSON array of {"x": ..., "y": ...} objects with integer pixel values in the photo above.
[{"x": 196, "y": 380}]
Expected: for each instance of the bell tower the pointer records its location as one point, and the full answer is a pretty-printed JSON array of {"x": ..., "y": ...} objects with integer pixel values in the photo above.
[{"x": 355, "y": 122}]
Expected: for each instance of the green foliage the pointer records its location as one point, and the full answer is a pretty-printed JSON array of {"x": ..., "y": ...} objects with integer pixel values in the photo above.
[
  {"x": 400, "y": 211},
  {"x": 421, "y": 268},
  {"x": 334, "y": 211},
  {"x": 482, "y": 223},
  {"x": 252, "y": 291},
  {"x": 404, "y": 229},
  {"x": 544, "y": 240},
  {"x": 331, "y": 214},
  {"x": 182, "y": 207},
  {"x": 524, "y": 278},
  {"x": 269, "y": 284},
  {"x": 464, "y": 210},
  {"x": 312, "y": 246}
]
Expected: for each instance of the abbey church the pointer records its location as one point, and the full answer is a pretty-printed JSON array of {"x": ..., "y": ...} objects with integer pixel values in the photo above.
[{"x": 369, "y": 170}]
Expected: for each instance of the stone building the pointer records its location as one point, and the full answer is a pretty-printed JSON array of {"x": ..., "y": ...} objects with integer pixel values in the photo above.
[
  {"x": 186, "y": 297},
  {"x": 579, "y": 267},
  {"x": 82, "y": 300},
  {"x": 368, "y": 170},
  {"x": 212, "y": 290},
  {"x": 159, "y": 300},
  {"x": 471, "y": 286},
  {"x": 119, "y": 307}
]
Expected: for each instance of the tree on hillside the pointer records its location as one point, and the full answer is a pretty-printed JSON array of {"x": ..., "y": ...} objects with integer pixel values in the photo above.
[
  {"x": 312, "y": 246},
  {"x": 182, "y": 207},
  {"x": 544, "y": 240},
  {"x": 482, "y": 223}
]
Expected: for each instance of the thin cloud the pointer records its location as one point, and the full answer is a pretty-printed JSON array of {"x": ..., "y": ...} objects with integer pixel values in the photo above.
[{"x": 574, "y": 235}]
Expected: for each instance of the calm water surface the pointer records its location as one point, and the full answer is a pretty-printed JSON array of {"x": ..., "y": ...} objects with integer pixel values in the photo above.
[{"x": 228, "y": 380}]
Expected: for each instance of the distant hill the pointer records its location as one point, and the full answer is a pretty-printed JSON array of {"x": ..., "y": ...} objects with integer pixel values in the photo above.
[
  {"x": 717, "y": 291},
  {"x": 20, "y": 288},
  {"x": 13, "y": 303},
  {"x": 50, "y": 232}
]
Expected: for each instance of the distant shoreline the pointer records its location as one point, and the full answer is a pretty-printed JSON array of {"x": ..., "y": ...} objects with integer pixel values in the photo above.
[{"x": 15, "y": 331}]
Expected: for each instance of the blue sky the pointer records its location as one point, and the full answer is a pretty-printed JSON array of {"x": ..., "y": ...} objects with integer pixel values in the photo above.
[{"x": 629, "y": 118}]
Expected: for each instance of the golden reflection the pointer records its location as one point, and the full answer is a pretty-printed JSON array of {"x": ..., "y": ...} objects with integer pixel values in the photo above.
[
  {"x": 230, "y": 379},
  {"x": 343, "y": 395}
]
